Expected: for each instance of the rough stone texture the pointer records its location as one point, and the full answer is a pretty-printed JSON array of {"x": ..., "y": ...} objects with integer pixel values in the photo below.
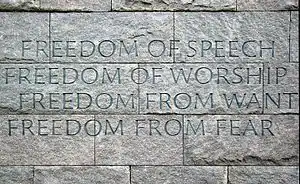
[
  {"x": 115, "y": 27},
  {"x": 17, "y": 27},
  {"x": 184, "y": 97},
  {"x": 58, "y": 5},
  {"x": 227, "y": 148},
  {"x": 78, "y": 5},
  {"x": 267, "y": 5},
  {"x": 108, "y": 92},
  {"x": 167, "y": 5},
  {"x": 81, "y": 175},
  {"x": 294, "y": 37},
  {"x": 174, "y": 151},
  {"x": 19, "y": 4},
  {"x": 184, "y": 175},
  {"x": 281, "y": 85},
  {"x": 148, "y": 147},
  {"x": 256, "y": 174},
  {"x": 13, "y": 175},
  {"x": 50, "y": 149},
  {"x": 231, "y": 26}
]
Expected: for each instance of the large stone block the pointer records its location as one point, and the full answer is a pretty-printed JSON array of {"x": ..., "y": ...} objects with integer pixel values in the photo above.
[
  {"x": 19, "y": 4},
  {"x": 201, "y": 88},
  {"x": 260, "y": 174},
  {"x": 266, "y": 5},
  {"x": 232, "y": 37},
  {"x": 15, "y": 174},
  {"x": 76, "y": 5},
  {"x": 241, "y": 140},
  {"x": 183, "y": 175},
  {"x": 46, "y": 140},
  {"x": 20, "y": 36},
  {"x": 294, "y": 37},
  {"x": 171, "y": 5},
  {"x": 111, "y": 37},
  {"x": 281, "y": 88},
  {"x": 81, "y": 175},
  {"x": 65, "y": 88},
  {"x": 139, "y": 140}
]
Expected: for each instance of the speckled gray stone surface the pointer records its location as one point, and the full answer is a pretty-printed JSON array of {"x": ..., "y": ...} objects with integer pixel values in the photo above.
[
  {"x": 232, "y": 37},
  {"x": 234, "y": 140},
  {"x": 19, "y": 26},
  {"x": 149, "y": 91},
  {"x": 294, "y": 36},
  {"x": 117, "y": 37},
  {"x": 256, "y": 174},
  {"x": 19, "y": 4},
  {"x": 91, "y": 88},
  {"x": 171, "y": 5},
  {"x": 76, "y": 5},
  {"x": 55, "y": 5},
  {"x": 184, "y": 175},
  {"x": 200, "y": 88},
  {"x": 149, "y": 5},
  {"x": 267, "y": 5},
  {"x": 146, "y": 140},
  {"x": 81, "y": 175},
  {"x": 281, "y": 88},
  {"x": 16, "y": 174},
  {"x": 45, "y": 140}
]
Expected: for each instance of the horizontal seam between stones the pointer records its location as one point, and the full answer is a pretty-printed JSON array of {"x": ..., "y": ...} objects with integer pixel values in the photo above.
[
  {"x": 98, "y": 165},
  {"x": 128, "y": 63},
  {"x": 142, "y": 11},
  {"x": 145, "y": 114}
]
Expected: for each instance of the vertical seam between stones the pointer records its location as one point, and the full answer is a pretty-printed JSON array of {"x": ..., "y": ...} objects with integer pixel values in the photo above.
[
  {"x": 236, "y": 5},
  {"x": 40, "y": 4},
  {"x": 139, "y": 94},
  {"x": 227, "y": 174},
  {"x": 290, "y": 27},
  {"x": 173, "y": 27},
  {"x": 130, "y": 181},
  {"x": 49, "y": 32},
  {"x": 183, "y": 141},
  {"x": 94, "y": 148},
  {"x": 33, "y": 174},
  {"x": 111, "y": 5},
  {"x": 263, "y": 89}
]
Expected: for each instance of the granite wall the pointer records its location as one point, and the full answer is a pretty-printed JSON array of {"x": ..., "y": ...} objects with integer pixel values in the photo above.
[{"x": 149, "y": 91}]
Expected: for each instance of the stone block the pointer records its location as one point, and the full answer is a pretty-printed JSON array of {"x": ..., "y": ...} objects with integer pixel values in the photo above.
[
  {"x": 281, "y": 88},
  {"x": 16, "y": 174},
  {"x": 46, "y": 140},
  {"x": 111, "y": 37},
  {"x": 20, "y": 36},
  {"x": 173, "y": 5},
  {"x": 201, "y": 88},
  {"x": 65, "y": 88},
  {"x": 241, "y": 140},
  {"x": 19, "y": 4},
  {"x": 260, "y": 174},
  {"x": 267, "y": 5},
  {"x": 232, "y": 37},
  {"x": 294, "y": 37},
  {"x": 139, "y": 140},
  {"x": 76, "y": 5},
  {"x": 179, "y": 174},
  {"x": 81, "y": 175}
]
